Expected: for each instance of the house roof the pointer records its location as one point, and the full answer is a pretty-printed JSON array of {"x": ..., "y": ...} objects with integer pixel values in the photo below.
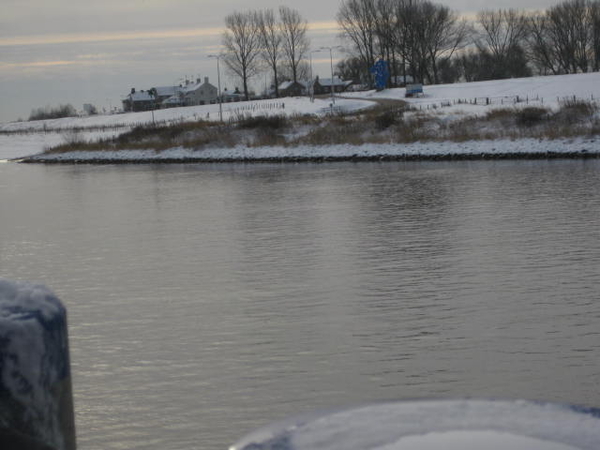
[
  {"x": 141, "y": 96},
  {"x": 173, "y": 100},
  {"x": 167, "y": 91},
  {"x": 288, "y": 84},
  {"x": 232, "y": 94},
  {"x": 337, "y": 81},
  {"x": 192, "y": 87},
  {"x": 285, "y": 84}
]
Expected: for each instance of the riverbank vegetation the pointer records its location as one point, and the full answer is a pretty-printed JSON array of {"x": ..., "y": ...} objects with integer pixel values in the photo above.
[{"x": 386, "y": 123}]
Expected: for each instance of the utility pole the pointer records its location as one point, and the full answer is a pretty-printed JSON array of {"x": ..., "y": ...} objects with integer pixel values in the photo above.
[
  {"x": 218, "y": 57},
  {"x": 331, "y": 64}
]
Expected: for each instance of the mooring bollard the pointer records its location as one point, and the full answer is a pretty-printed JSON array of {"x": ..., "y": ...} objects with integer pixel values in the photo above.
[{"x": 36, "y": 402}]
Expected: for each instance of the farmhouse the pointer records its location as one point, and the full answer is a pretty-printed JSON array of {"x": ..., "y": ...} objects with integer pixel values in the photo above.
[
  {"x": 292, "y": 89},
  {"x": 168, "y": 96},
  {"x": 323, "y": 85},
  {"x": 229, "y": 97},
  {"x": 199, "y": 93},
  {"x": 189, "y": 94},
  {"x": 139, "y": 101}
]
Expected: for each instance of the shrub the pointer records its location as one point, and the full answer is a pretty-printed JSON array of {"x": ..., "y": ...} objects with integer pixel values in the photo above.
[
  {"x": 161, "y": 133},
  {"x": 387, "y": 118},
  {"x": 52, "y": 113},
  {"x": 263, "y": 122},
  {"x": 531, "y": 115},
  {"x": 501, "y": 114},
  {"x": 574, "y": 110}
]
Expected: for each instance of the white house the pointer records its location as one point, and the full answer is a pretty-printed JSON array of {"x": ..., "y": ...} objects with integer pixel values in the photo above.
[
  {"x": 199, "y": 93},
  {"x": 189, "y": 94},
  {"x": 139, "y": 101}
]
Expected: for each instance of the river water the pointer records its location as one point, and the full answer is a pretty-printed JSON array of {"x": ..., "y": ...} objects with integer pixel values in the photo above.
[{"x": 207, "y": 300}]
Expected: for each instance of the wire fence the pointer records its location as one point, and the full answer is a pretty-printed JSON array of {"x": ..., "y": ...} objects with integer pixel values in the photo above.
[
  {"x": 505, "y": 100},
  {"x": 256, "y": 106}
]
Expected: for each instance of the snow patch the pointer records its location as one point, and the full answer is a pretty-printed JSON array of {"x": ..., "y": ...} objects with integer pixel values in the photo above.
[{"x": 444, "y": 424}]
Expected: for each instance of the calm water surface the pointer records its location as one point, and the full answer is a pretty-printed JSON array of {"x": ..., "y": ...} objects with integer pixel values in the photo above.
[{"x": 207, "y": 300}]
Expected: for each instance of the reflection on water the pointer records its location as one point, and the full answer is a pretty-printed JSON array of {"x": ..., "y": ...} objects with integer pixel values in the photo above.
[{"x": 206, "y": 300}]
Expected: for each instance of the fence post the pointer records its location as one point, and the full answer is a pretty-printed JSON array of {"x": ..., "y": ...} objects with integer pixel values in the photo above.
[{"x": 36, "y": 410}]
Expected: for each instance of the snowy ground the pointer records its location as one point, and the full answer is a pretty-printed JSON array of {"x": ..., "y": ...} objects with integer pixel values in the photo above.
[
  {"x": 420, "y": 150},
  {"x": 429, "y": 425},
  {"x": 20, "y": 139},
  {"x": 547, "y": 91}
]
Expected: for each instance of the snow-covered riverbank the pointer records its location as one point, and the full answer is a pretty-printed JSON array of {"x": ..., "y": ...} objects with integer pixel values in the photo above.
[
  {"x": 496, "y": 149},
  {"x": 445, "y": 103}
]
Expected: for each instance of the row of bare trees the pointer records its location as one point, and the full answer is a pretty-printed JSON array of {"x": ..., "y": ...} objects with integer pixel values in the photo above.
[
  {"x": 566, "y": 38},
  {"x": 433, "y": 44},
  {"x": 257, "y": 39},
  {"x": 414, "y": 36},
  {"x": 421, "y": 39}
]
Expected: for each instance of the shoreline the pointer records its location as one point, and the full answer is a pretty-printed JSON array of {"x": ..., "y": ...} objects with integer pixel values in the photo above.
[
  {"x": 527, "y": 148},
  {"x": 324, "y": 159}
]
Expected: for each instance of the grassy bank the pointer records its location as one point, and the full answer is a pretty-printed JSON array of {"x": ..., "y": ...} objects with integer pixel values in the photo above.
[{"x": 396, "y": 123}]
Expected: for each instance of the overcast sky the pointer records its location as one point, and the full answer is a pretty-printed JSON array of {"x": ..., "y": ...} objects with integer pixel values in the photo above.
[{"x": 94, "y": 51}]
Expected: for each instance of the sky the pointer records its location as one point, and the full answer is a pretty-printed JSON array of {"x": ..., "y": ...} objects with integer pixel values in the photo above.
[{"x": 56, "y": 52}]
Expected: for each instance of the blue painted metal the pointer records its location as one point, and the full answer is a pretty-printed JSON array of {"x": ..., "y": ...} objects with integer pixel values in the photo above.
[{"x": 382, "y": 73}]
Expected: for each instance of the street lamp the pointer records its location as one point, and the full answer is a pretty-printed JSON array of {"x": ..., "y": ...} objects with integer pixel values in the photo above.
[
  {"x": 311, "y": 88},
  {"x": 218, "y": 57},
  {"x": 331, "y": 63}
]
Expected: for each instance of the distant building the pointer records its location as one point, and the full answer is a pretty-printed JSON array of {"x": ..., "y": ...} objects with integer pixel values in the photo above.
[
  {"x": 168, "y": 96},
  {"x": 189, "y": 94},
  {"x": 292, "y": 89},
  {"x": 401, "y": 80},
  {"x": 89, "y": 109},
  {"x": 200, "y": 93},
  {"x": 139, "y": 101},
  {"x": 235, "y": 96},
  {"x": 323, "y": 85}
]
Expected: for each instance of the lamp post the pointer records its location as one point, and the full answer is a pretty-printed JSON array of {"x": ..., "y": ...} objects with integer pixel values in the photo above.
[
  {"x": 331, "y": 63},
  {"x": 311, "y": 88},
  {"x": 218, "y": 57}
]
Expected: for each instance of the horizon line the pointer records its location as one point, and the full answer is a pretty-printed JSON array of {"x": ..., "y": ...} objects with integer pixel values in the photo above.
[{"x": 77, "y": 37}]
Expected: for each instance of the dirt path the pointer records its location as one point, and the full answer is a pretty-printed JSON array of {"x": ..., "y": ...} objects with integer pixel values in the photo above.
[{"x": 380, "y": 101}]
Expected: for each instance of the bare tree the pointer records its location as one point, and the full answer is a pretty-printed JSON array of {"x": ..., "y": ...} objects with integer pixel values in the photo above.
[
  {"x": 503, "y": 33},
  {"x": 358, "y": 20},
  {"x": 427, "y": 34},
  {"x": 242, "y": 46},
  {"x": 294, "y": 40},
  {"x": 350, "y": 68},
  {"x": 595, "y": 30},
  {"x": 541, "y": 50},
  {"x": 566, "y": 37},
  {"x": 442, "y": 33},
  {"x": 570, "y": 35},
  {"x": 385, "y": 30},
  {"x": 406, "y": 37},
  {"x": 414, "y": 36},
  {"x": 270, "y": 42}
]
